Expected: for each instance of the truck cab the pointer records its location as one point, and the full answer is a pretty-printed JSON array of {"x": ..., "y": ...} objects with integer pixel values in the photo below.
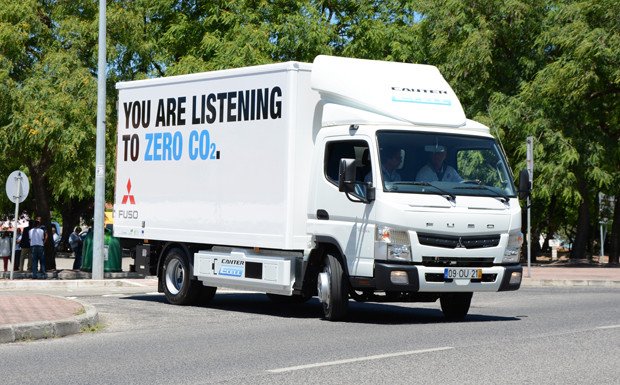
[{"x": 415, "y": 208}]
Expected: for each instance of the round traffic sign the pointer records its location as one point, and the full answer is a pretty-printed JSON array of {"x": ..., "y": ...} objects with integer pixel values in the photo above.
[{"x": 17, "y": 186}]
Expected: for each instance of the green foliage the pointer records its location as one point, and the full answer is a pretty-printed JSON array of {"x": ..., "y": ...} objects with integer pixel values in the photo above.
[
  {"x": 547, "y": 69},
  {"x": 47, "y": 92},
  {"x": 570, "y": 106},
  {"x": 480, "y": 165}
]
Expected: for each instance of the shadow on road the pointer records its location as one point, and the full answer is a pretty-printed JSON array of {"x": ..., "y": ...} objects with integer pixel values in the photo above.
[{"x": 360, "y": 313}]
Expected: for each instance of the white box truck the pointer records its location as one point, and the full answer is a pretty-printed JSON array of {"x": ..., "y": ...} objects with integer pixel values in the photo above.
[{"x": 344, "y": 178}]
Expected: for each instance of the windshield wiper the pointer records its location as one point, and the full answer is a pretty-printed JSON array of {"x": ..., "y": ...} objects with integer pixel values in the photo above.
[
  {"x": 504, "y": 198},
  {"x": 440, "y": 191}
]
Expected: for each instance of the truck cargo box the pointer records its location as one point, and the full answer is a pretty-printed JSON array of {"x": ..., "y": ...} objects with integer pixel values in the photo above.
[{"x": 217, "y": 158}]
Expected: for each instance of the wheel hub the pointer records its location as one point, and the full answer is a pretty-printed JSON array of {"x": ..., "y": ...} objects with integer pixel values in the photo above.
[
  {"x": 174, "y": 276},
  {"x": 323, "y": 287}
]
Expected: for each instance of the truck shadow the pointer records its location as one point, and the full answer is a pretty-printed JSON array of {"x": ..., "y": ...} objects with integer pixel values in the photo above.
[{"x": 359, "y": 313}]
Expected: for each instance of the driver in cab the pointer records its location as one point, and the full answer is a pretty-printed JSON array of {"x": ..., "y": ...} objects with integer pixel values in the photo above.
[{"x": 436, "y": 169}]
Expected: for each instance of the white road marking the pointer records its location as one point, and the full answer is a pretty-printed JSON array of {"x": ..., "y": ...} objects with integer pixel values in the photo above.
[
  {"x": 359, "y": 359},
  {"x": 609, "y": 327}
]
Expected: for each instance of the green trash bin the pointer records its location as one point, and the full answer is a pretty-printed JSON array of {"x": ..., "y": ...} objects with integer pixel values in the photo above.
[{"x": 112, "y": 254}]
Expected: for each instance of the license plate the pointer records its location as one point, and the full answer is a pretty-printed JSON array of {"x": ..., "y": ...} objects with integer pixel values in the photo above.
[{"x": 457, "y": 273}]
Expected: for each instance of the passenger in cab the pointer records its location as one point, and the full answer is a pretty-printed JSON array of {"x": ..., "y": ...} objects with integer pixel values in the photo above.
[{"x": 391, "y": 158}]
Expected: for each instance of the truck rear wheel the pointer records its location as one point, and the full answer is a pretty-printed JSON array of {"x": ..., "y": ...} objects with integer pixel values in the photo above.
[
  {"x": 332, "y": 289},
  {"x": 455, "y": 305},
  {"x": 179, "y": 287}
]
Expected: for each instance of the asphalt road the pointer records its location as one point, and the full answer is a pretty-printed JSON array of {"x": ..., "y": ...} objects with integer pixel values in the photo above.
[{"x": 535, "y": 335}]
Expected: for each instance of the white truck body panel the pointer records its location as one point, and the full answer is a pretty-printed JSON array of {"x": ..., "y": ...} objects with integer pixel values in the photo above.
[
  {"x": 229, "y": 269},
  {"x": 412, "y": 93},
  {"x": 246, "y": 186}
]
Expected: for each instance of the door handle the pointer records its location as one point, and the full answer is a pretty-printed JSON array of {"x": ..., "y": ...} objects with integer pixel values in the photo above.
[{"x": 322, "y": 215}]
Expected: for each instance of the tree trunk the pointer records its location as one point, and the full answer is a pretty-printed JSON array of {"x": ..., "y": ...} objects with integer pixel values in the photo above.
[
  {"x": 41, "y": 204},
  {"x": 536, "y": 232},
  {"x": 551, "y": 227},
  {"x": 583, "y": 223},
  {"x": 71, "y": 212},
  {"x": 614, "y": 236}
]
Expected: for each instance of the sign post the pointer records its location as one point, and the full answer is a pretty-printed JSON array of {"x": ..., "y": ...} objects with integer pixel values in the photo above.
[
  {"x": 530, "y": 171},
  {"x": 17, "y": 188}
]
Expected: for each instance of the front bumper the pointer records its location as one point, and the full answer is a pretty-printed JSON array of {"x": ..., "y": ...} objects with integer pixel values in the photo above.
[{"x": 431, "y": 279}]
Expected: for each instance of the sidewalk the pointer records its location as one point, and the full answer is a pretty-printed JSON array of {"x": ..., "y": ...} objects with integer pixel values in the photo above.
[
  {"x": 574, "y": 273},
  {"x": 35, "y": 316},
  {"x": 64, "y": 270}
]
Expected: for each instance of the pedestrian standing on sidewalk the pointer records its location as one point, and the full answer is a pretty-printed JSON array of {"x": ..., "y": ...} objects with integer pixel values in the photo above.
[
  {"x": 50, "y": 255},
  {"x": 5, "y": 249},
  {"x": 76, "y": 245},
  {"x": 25, "y": 245},
  {"x": 56, "y": 241},
  {"x": 18, "y": 249},
  {"x": 38, "y": 237}
]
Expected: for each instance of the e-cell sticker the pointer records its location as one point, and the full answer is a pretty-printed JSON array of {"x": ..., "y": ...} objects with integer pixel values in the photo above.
[{"x": 231, "y": 271}]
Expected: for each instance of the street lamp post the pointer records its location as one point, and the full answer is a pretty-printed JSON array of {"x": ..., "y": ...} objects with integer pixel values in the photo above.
[{"x": 100, "y": 149}]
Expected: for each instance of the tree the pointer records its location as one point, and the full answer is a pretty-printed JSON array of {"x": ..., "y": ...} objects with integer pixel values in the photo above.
[
  {"x": 572, "y": 106},
  {"x": 485, "y": 51},
  {"x": 547, "y": 69},
  {"x": 49, "y": 126}
]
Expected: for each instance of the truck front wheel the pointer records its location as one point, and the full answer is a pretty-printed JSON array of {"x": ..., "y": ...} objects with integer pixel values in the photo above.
[
  {"x": 179, "y": 288},
  {"x": 332, "y": 289},
  {"x": 455, "y": 305}
]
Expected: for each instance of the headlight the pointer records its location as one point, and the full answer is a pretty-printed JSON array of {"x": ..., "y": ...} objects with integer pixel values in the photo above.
[
  {"x": 513, "y": 248},
  {"x": 392, "y": 244}
]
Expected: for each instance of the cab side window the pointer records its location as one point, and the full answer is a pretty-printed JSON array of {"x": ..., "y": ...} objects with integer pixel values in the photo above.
[{"x": 350, "y": 149}]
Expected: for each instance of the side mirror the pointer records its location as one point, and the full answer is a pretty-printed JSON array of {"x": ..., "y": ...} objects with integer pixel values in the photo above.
[
  {"x": 364, "y": 192},
  {"x": 525, "y": 187},
  {"x": 346, "y": 175}
]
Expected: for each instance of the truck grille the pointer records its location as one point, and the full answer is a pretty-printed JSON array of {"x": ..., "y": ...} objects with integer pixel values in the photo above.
[
  {"x": 457, "y": 262},
  {"x": 452, "y": 242}
]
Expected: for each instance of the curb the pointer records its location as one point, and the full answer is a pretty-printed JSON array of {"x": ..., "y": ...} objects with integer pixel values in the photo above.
[
  {"x": 51, "y": 329},
  {"x": 530, "y": 282},
  {"x": 70, "y": 274},
  {"x": 76, "y": 283}
]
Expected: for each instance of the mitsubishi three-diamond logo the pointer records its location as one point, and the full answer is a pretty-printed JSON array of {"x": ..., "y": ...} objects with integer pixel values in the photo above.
[{"x": 129, "y": 197}]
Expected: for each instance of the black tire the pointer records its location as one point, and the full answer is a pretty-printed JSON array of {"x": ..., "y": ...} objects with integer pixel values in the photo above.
[
  {"x": 287, "y": 299},
  {"x": 179, "y": 287},
  {"x": 455, "y": 305},
  {"x": 333, "y": 289}
]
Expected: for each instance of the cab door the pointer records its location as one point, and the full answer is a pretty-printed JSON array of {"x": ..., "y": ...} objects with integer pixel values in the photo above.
[{"x": 345, "y": 221}]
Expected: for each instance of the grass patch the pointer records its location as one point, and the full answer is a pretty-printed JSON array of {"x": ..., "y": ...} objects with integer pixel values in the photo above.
[
  {"x": 25, "y": 337},
  {"x": 79, "y": 312},
  {"x": 92, "y": 328}
]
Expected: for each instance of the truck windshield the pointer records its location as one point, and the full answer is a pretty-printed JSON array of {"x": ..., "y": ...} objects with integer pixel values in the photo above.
[{"x": 447, "y": 165}]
